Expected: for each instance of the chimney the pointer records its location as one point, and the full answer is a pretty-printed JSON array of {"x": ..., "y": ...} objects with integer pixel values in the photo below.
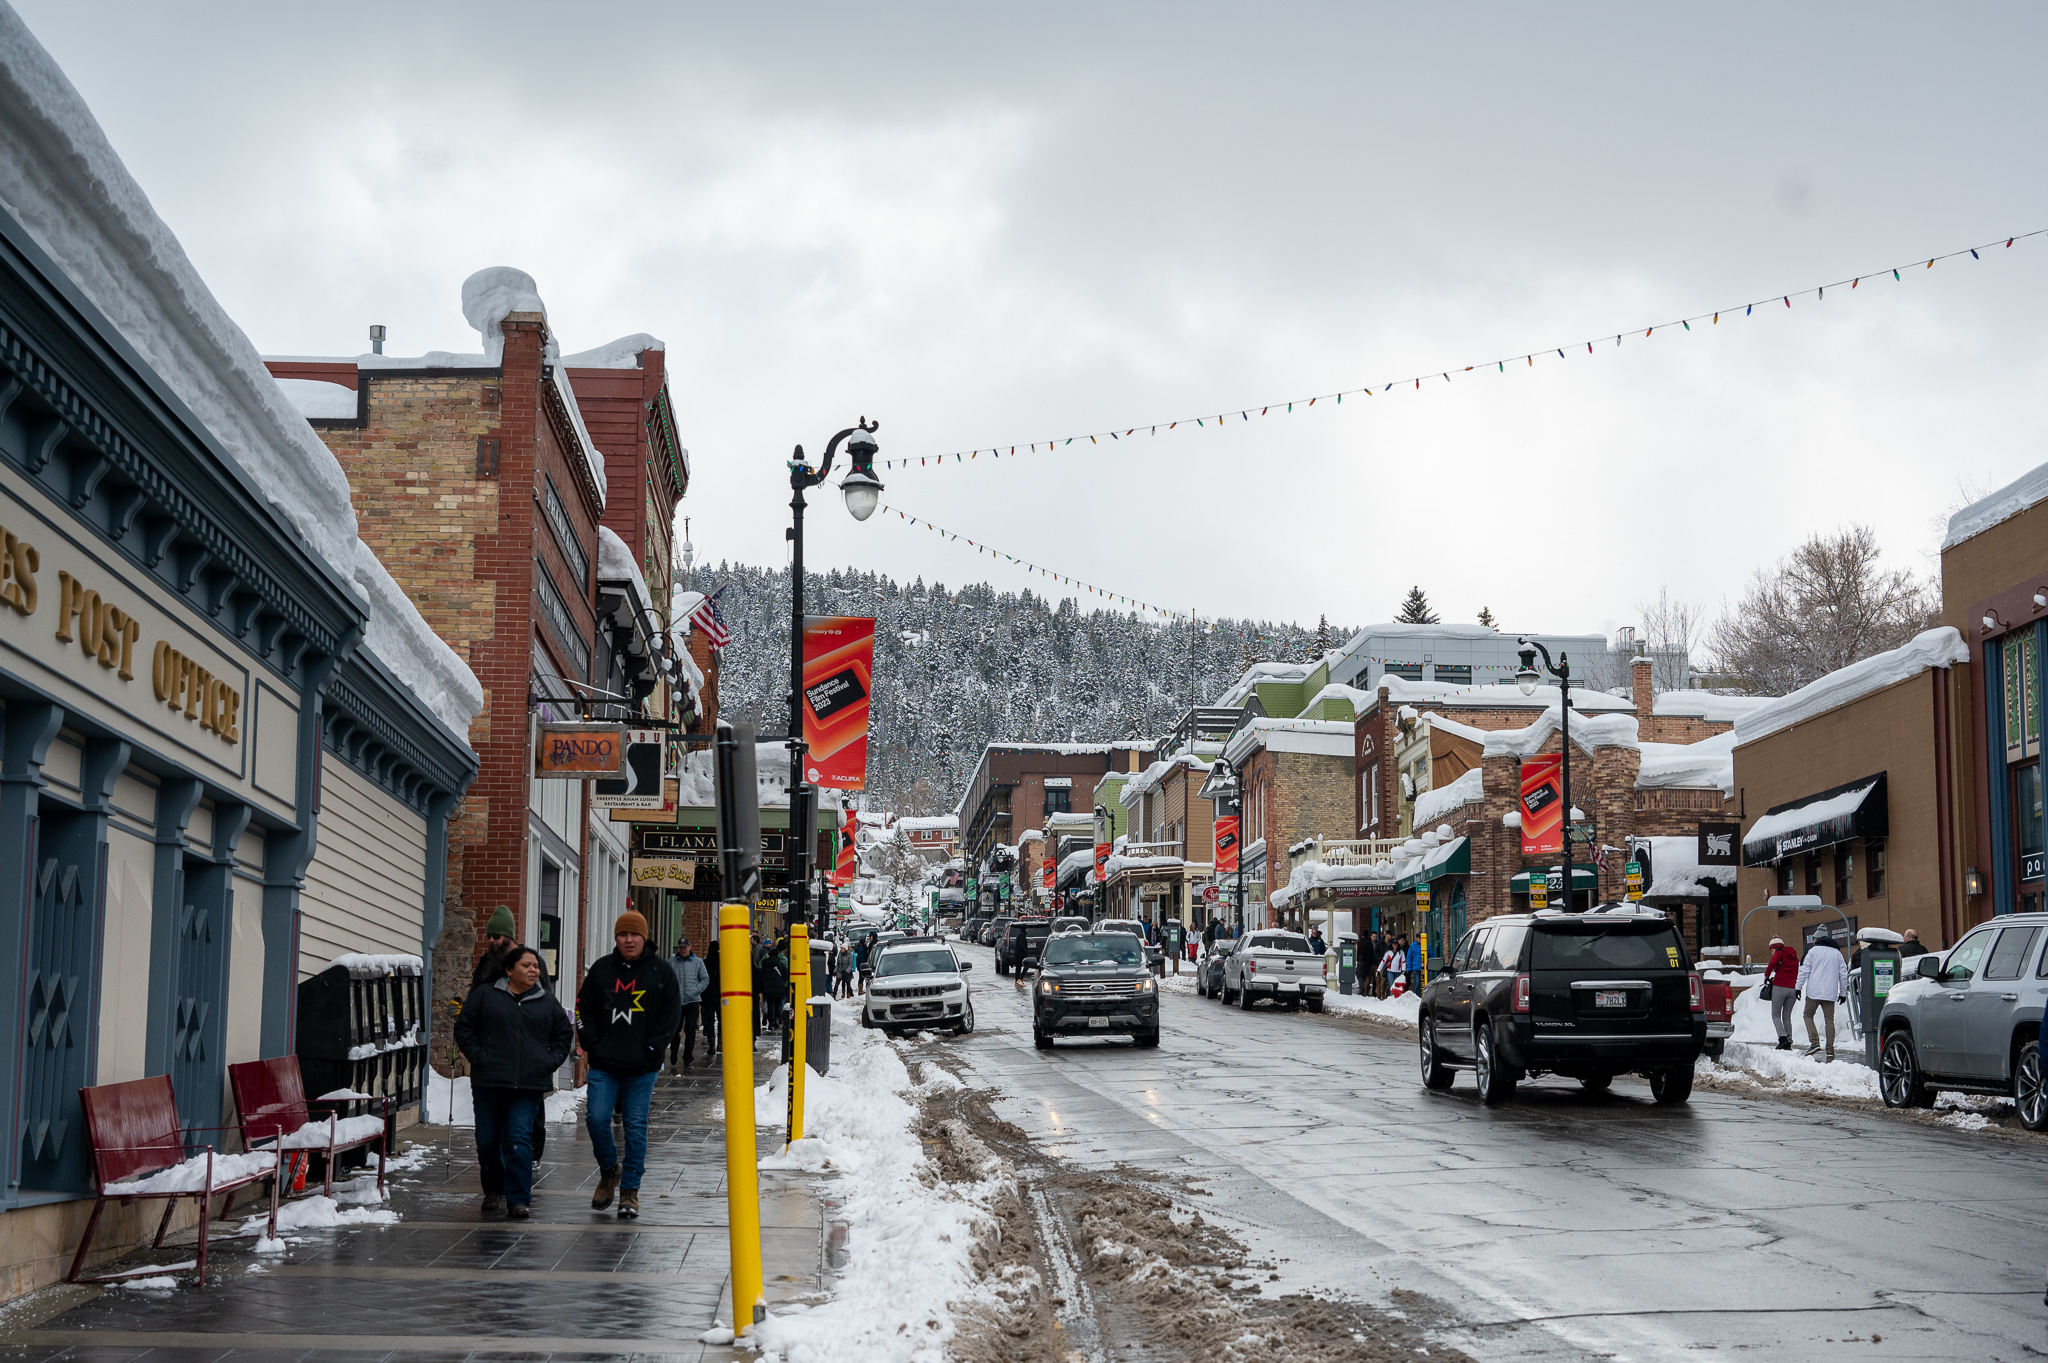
[
  {"x": 1639, "y": 685},
  {"x": 377, "y": 339}
]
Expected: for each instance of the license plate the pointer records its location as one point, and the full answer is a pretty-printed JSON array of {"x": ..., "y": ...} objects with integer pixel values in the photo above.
[
  {"x": 1290, "y": 986},
  {"x": 1611, "y": 998},
  {"x": 1099, "y": 1024}
]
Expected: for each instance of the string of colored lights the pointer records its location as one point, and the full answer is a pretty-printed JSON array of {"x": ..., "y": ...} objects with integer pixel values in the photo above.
[
  {"x": 1065, "y": 579},
  {"x": 1527, "y": 359}
]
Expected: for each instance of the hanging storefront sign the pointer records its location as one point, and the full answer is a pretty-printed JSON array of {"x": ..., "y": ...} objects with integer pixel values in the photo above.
[
  {"x": 1226, "y": 845},
  {"x": 664, "y": 873},
  {"x": 1542, "y": 804},
  {"x": 639, "y": 784},
  {"x": 839, "y": 663},
  {"x": 1101, "y": 862},
  {"x": 577, "y": 752},
  {"x": 1720, "y": 844},
  {"x": 665, "y": 812}
]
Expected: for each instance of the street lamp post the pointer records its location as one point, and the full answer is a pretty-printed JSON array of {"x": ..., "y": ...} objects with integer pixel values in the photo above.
[
  {"x": 861, "y": 489},
  {"x": 1526, "y": 677}
]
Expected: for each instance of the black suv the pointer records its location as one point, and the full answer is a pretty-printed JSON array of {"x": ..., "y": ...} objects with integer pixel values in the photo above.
[
  {"x": 1587, "y": 996},
  {"x": 1017, "y": 950},
  {"x": 1094, "y": 984}
]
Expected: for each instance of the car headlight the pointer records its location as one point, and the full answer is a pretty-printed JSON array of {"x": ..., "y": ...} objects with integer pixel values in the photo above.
[
  {"x": 1048, "y": 986},
  {"x": 1146, "y": 985}
]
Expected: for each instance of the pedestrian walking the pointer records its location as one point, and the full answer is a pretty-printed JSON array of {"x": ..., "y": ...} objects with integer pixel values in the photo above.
[
  {"x": 1390, "y": 966},
  {"x": 709, "y": 1006},
  {"x": 1823, "y": 978},
  {"x": 628, "y": 1009},
  {"x": 1781, "y": 977},
  {"x": 1316, "y": 942},
  {"x": 499, "y": 932},
  {"x": 1414, "y": 959},
  {"x": 1911, "y": 946},
  {"x": 843, "y": 967},
  {"x": 773, "y": 987},
  {"x": 692, "y": 980},
  {"x": 515, "y": 1035}
]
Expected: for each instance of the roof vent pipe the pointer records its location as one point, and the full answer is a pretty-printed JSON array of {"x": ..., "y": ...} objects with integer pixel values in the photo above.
[{"x": 376, "y": 340}]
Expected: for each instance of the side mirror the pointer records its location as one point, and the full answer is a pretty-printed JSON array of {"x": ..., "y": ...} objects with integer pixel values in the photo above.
[
  {"x": 1928, "y": 967},
  {"x": 967, "y": 965}
]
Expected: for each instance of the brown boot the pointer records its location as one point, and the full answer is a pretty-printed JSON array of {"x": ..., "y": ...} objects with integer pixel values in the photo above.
[
  {"x": 607, "y": 1180},
  {"x": 629, "y": 1204}
]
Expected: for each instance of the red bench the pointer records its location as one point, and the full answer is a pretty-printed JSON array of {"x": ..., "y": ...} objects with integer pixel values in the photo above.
[
  {"x": 134, "y": 1137},
  {"x": 270, "y": 1096}
]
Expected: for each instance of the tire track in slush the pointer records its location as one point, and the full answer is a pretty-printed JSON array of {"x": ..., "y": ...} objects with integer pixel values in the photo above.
[{"x": 1075, "y": 1308}]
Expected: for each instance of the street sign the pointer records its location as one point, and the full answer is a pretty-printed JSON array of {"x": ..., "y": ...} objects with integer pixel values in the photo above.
[
  {"x": 1538, "y": 893},
  {"x": 1211, "y": 893},
  {"x": 1632, "y": 876},
  {"x": 1422, "y": 899}
]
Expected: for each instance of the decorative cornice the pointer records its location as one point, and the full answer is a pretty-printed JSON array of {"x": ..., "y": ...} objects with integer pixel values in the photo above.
[{"x": 380, "y": 728}]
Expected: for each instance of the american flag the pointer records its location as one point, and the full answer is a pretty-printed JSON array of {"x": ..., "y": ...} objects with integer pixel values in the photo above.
[{"x": 705, "y": 616}]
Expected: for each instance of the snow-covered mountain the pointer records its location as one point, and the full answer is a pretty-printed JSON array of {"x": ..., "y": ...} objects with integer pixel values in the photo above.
[{"x": 958, "y": 669}]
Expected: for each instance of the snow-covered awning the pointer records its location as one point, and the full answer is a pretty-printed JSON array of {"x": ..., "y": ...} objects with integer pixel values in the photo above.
[{"x": 1856, "y": 810}]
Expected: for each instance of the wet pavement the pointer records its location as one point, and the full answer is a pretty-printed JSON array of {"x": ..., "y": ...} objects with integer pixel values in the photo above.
[
  {"x": 445, "y": 1284},
  {"x": 1563, "y": 1225}
]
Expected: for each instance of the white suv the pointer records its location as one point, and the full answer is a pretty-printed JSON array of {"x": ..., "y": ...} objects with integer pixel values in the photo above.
[{"x": 919, "y": 983}]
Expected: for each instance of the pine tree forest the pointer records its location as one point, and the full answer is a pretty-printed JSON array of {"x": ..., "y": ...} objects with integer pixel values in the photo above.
[{"x": 958, "y": 669}]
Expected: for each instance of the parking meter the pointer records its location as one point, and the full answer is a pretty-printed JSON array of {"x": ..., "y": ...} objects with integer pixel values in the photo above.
[
  {"x": 1173, "y": 942},
  {"x": 1347, "y": 961},
  {"x": 1880, "y": 972}
]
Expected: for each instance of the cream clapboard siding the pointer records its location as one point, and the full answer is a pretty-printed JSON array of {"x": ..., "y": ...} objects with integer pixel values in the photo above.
[{"x": 366, "y": 888}]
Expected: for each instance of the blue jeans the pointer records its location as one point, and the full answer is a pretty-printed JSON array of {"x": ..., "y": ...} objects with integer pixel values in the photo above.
[
  {"x": 505, "y": 1122},
  {"x": 632, "y": 1094}
]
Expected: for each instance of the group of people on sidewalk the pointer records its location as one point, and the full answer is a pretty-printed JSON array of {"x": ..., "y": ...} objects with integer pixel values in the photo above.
[
  {"x": 634, "y": 1009},
  {"x": 1822, "y": 979}
]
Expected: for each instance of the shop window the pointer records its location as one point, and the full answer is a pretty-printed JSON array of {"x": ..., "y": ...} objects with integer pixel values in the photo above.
[
  {"x": 1813, "y": 874},
  {"x": 1873, "y": 869},
  {"x": 2026, "y": 834},
  {"x": 1405, "y": 671},
  {"x": 1784, "y": 877},
  {"x": 1845, "y": 872},
  {"x": 1059, "y": 800},
  {"x": 1459, "y": 674}
]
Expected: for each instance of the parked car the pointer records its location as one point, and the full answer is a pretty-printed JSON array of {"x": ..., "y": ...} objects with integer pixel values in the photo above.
[
  {"x": 970, "y": 931},
  {"x": 993, "y": 930},
  {"x": 1969, "y": 1019},
  {"x": 1209, "y": 967},
  {"x": 1017, "y": 950},
  {"x": 1094, "y": 984},
  {"x": 1276, "y": 965},
  {"x": 1153, "y": 954},
  {"x": 918, "y": 983},
  {"x": 1071, "y": 924},
  {"x": 1588, "y": 996}
]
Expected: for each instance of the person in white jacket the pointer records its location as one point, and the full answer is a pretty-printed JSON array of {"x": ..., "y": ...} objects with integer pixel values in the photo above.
[{"x": 1823, "y": 979}]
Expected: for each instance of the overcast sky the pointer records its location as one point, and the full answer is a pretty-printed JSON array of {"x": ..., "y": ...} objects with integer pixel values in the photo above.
[{"x": 993, "y": 226}]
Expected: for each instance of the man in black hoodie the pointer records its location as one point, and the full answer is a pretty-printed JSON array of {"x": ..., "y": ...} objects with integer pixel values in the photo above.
[{"x": 626, "y": 1012}]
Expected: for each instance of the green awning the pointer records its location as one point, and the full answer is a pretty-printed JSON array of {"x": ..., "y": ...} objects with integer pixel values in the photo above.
[
  {"x": 1454, "y": 860},
  {"x": 1583, "y": 878}
]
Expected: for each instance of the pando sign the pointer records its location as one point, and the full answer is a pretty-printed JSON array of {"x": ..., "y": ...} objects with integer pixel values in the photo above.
[{"x": 577, "y": 752}]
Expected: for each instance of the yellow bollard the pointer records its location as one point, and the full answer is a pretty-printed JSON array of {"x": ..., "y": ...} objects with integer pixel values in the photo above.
[
  {"x": 799, "y": 1023},
  {"x": 742, "y": 1178}
]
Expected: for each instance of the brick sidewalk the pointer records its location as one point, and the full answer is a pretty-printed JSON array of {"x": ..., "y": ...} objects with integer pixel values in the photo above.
[{"x": 443, "y": 1284}]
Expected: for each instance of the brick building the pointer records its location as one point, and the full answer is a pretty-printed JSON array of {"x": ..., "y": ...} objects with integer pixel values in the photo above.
[
  {"x": 1022, "y": 784},
  {"x": 1296, "y": 777},
  {"x": 476, "y": 481}
]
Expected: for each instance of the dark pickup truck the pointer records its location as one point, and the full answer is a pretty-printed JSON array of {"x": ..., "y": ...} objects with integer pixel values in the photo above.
[{"x": 1587, "y": 996}]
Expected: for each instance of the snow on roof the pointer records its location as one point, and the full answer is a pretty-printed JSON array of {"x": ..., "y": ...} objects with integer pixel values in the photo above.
[
  {"x": 319, "y": 400},
  {"x": 1149, "y": 779},
  {"x": 1588, "y": 732},
  {"x": 1432, "y": 805},
  {"x": 681, "y": 603},
  {"x": 624, "y": 353},
  {"x": 1414, "y": 856},
  {"x": 1483, "y": 695},
  {"x": 2002, "y": 505},
  {"x": 1689, "y": 766},
  {"x": 68, "y": 188},
  {"x": 1808, "y": 814},
  {"x": 1123, "y": 863},
  {"x": 1455, "y": 729},
  {"x": 929, "y": 823},
  {"x": 1074, "y": 861},
  {"x": 1940, "y": 647},
  {"x": 1393, "y": 631},
  {"x": 697, "y": 786},
  {"x": 615, "y": 563},
  {"x": 1675, "y": 869},
  {"x": 1331, "y": 737},
  {"x": 1707, "y": 705},
  {"x": 1031, "y": 835},
  {"x": 1283, "y": 673}
]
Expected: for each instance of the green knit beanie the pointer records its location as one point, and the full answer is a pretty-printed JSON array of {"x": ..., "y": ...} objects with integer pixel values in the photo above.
[{"x": 501, "y": 924}]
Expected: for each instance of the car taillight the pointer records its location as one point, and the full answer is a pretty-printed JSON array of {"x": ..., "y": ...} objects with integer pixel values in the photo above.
[
  {"x": 1252, "y": 966},
  {"x": 1521, "y": 993},
  {"x": 1696, "y": 991}
]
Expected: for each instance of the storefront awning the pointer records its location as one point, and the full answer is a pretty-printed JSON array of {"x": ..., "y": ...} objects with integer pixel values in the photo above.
[
  {"x": 1454, "y": 858},
  {"x": 1856, "y": 810},
  {"x": 1583, "y": 878}
]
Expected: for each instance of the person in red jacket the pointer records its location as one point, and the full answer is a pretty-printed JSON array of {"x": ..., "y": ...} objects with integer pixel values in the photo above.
[{"x": 1782, "y": 974}]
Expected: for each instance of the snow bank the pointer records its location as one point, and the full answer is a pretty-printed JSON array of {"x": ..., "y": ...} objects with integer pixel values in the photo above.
[
  {"x": 1942, "y": 647},
  {"x": 1405, "y": 1011},
  {"x": 319, "y": 400},
  {"x": 64, "y": 183},
  {"x": 1432, "y": 805},
  {"x": 911, "y": 1236},
  {"x": 562, "y": 1104},
  {"x": 2001, "y": 505}
]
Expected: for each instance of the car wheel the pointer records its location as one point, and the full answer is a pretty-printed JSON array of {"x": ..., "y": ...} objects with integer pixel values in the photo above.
[
  {"x": 1198, "y": 987},
  {"x": 1244, "y": 999},
  {"x": 1597, "y": 1083},
  {"x": 1671, "y": 1086},
  {"x": 1899, "y": 1078},
  {"x": 1147, "y": 1039},
  {"x": 999, "y": 967},
  {"x": 2028, "y": 1094},
  {"x": 1496, "y": 1084},
  {"x": 966, "y": 1022},
  {"x": 1042, "y": 1040},
  {"x": 1436, "y": 1074}
]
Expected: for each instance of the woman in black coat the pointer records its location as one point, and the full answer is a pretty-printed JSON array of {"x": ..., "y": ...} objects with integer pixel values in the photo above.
[{"x": 516, "y": 1036}]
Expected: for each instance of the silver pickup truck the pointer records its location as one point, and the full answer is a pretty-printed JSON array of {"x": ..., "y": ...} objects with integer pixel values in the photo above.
[{"x": 1278, "y": 966}]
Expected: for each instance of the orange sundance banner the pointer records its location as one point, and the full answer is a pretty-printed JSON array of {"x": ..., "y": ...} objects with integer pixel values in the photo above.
[
  {"x": 839, "y": 665},
  {"x": 1542, "y": 804},
  {"x": 1226, "y": 845}
]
